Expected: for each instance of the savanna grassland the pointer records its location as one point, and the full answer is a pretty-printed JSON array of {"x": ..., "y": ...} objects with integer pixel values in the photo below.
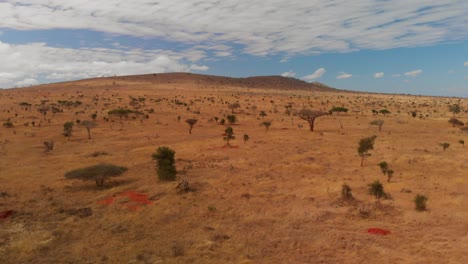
[{"x": 274, "y": 198}]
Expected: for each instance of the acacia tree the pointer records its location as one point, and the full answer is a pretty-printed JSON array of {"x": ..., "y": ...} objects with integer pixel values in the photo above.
[
  {"x": 378, "y": 123},
  {"x": 98, "y": 173},
  {"x": 365, "y": 145},
  {"x": 88, "y": 125},
  {"x": 444, "y": 145},
  {"x": 310, "y": 116},
  {"x": 191, "y": 123},
  {"x": 234, "y": 106},
  {"x": 266, "y": 124}
]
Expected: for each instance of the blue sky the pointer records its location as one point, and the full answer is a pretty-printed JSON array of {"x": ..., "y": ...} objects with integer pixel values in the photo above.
[{"x": 414, "y": 47}]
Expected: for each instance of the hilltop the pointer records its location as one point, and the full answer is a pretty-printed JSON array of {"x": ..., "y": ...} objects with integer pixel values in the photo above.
[{"x": 254, "y": 82}]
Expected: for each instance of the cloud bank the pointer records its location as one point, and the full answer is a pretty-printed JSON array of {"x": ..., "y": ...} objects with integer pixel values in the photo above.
[
  {"x": 294, "y": 27},
  {"x": 26, "y": 64}
]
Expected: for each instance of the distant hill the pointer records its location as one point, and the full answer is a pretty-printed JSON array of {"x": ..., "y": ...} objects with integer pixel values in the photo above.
[{"x": 263, "y": 82}]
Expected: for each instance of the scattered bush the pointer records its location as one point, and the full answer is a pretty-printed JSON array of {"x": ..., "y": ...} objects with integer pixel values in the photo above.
[
  {"x": 8, "y": 124},
  {"x": 377, "y": 190},
  {"x": 420, "y": 202},
  {"x": 346, "y": 194}
]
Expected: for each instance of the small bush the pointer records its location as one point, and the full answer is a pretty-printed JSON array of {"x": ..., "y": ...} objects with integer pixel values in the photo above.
[
  {"x": 420, "y": 202},
  {"x": 98, "y": 173},
  {"x": 8, "y": 124},
  {"x": 376, "y": 189},
  {"x": 346, "y": 194},
  {"x": 164, "y": 157}
]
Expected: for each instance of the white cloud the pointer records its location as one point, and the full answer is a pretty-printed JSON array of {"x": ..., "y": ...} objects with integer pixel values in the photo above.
[
  {"x": 344, "y": 75},
  {"x": 289, "y": 74},
  {"x": 466, "y": 63},
  {"x": 295, "y": 27},
  {"x": 26, "y": 64},
  {"x": 196, "y": 67},
  {"x": 378, "y": 75},
  {"x": 317, "y": 74},
  {"x": 27, "y": 82},
  {"x": 413, "y": 73}
]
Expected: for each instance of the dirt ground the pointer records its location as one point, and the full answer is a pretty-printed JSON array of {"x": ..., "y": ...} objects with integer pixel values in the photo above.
[{"x": 272, "y": 199}]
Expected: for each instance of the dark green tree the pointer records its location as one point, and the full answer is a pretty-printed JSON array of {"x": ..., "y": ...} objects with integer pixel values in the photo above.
[
  {"x": 455, "y": 109},
  {"x": 420, "y": 202},
  {"x": 67, "y": 129},
  {"x": 166, "y": 169},
  {"x": 228, "y": 135},
  {"x": 231, "y": 119},
  {"x": 377, "y": 190}
]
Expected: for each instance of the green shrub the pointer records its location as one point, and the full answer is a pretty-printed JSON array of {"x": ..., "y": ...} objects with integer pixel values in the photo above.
[
  {"x": 166, "y": 169},
  {"x": 377, "y": 190},
  {"x": 420, "y": 202},
  {"x": 98, "y": 173}
]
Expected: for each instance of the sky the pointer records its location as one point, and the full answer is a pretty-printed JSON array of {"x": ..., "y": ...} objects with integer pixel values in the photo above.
[{"x": 410, "y": 47}]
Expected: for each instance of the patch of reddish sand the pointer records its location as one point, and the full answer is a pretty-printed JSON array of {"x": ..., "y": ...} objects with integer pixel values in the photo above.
[
  {"x": 378, "y": 231},
  {"x": 136, "y": 200}
]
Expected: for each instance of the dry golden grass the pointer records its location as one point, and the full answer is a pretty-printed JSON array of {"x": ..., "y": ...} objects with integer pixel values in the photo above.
[{"x": 271, "y": 200}]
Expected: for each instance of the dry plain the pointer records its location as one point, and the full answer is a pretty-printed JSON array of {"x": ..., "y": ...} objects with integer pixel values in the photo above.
[{"x": 272, "y": 199}]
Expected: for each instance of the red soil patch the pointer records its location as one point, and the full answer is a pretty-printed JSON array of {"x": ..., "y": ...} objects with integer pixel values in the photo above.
[
  {"x": 378, "y": 231},
  {"x": 6, "y": 214},
  {"x": 136, "y": 200}
]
